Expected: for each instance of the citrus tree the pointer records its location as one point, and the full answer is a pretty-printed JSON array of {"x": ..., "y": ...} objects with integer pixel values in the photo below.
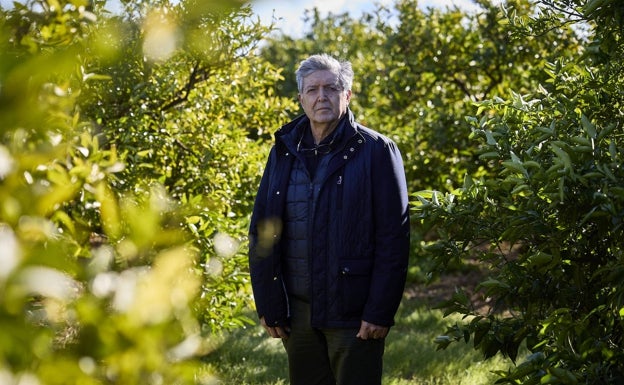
[
  {"x": 510, "y": 122},
  {"x": 128, "y": 155},
  {"x": 188, "y": 122},
  {"x": 547, "y": 219},
  {"x": 419, "y": 73}
]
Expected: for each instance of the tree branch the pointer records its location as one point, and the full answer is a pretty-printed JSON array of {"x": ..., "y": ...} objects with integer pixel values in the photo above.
[{"x": 183, "y": 94}]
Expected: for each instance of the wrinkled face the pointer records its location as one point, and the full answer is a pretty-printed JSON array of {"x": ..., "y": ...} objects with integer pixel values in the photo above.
[{"x": 322, "y": 99}]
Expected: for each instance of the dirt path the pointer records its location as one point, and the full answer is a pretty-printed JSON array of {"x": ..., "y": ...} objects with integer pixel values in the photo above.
[{"x": 443, "y": 289}]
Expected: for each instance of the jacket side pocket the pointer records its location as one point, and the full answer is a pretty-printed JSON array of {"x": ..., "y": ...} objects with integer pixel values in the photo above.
[{"x": 354, "y": 283}]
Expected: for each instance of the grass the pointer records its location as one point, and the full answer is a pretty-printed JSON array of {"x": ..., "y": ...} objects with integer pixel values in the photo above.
[{"x": 249, "y": 357}]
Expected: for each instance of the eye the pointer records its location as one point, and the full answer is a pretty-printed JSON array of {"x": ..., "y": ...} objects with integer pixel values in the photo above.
[{"x": 334, "y": 89}]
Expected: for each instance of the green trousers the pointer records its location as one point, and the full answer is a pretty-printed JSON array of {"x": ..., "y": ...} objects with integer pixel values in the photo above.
[{"x": 330, "y": 356}]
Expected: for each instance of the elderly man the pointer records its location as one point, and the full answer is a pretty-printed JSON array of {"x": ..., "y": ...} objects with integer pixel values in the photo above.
[{"x": 329, "y": 235}]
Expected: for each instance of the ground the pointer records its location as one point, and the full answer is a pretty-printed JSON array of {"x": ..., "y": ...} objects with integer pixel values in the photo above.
[{"x": 444, "y": 287}]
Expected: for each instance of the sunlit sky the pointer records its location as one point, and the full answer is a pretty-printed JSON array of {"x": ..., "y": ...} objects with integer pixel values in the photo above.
[{"x": 289, "y": 14}]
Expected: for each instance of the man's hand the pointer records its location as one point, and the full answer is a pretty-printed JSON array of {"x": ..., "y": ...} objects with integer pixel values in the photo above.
[
  {"x": 275, "y": 332},
  {"x": 371, "y": 331}
]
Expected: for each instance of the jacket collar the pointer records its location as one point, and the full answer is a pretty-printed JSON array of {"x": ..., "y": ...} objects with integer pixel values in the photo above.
[{"x": 288, "y": 135}]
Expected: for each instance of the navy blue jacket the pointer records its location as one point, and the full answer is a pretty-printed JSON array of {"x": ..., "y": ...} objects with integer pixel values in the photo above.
[{"x": 359, "y": 233}]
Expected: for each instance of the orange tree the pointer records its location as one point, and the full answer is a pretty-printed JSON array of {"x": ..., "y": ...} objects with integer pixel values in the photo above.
[
  {"x": 127, "y": 163},
  {"x": 554, "y": 195},
  {"x": 419, "y": 73},
  {"x": 510, "y": 121}
]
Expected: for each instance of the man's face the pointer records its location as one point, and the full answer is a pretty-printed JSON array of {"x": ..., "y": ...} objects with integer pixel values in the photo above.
[{"x": 322, "y": 99}]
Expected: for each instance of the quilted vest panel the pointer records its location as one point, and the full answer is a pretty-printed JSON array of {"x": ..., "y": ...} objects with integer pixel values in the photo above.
[{"x": 295, "y": 257}]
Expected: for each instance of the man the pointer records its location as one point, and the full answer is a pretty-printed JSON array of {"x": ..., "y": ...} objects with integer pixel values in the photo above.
[{"x": 329, "y": 235}]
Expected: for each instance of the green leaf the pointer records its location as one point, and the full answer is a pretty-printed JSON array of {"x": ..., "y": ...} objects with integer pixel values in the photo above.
[
  {"x": 589, "y": 127},
  {"x": 561, "y": 154},
  {"x": 515, "y": 167},
  {"x": 493, "y": 283}
]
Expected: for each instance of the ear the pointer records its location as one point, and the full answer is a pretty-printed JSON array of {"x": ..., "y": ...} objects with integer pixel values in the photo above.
[
  {"x": 299, "y": 98},
  {"x": 348, "y": 96}
]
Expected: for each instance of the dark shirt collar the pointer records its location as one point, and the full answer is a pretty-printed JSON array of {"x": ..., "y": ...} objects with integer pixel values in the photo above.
[{"x": 304, "y": 134}]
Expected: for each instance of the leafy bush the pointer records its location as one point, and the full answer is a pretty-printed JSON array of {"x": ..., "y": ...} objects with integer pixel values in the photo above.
[
  {"x": 126, "y": 175},
  {"x": 550, "y": 217}
]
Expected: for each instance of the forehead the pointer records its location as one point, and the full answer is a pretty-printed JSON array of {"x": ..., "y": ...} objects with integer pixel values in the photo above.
[{"x": 320, "y": 78}]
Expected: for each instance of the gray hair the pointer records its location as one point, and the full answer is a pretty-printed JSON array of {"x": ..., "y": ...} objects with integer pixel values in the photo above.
[{"x": 324, "y": 62}]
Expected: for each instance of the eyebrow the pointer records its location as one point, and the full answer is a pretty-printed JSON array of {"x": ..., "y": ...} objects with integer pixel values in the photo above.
[{"x": 333, "y": 85}]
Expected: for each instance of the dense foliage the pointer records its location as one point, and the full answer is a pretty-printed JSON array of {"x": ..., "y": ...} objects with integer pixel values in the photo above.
[
  {"x": 554, "y": 196},
  {"x": 510, "y": 120},
  {"x": 419, "y": 73},
  {"x": 132, "y": 141},
  {"x": 127, "y": 156}
]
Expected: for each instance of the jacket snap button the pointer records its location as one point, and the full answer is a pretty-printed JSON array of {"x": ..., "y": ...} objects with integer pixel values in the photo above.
[
  {"x": 346, "y": 157},
  {"x": 352, "y": 149}
]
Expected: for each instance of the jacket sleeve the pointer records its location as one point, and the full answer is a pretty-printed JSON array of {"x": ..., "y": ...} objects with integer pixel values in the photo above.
[
  {"x": 259, "y": 212},
  {"x": 392, "y": 235},
  {"x": 264, "y": 234}
]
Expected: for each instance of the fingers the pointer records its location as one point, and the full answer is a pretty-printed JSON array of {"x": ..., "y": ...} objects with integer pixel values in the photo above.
[
  {"x": 382, "y": 333},
  {"x": 370, "y": 335},
  {"x": 363, "y": 332},
  {"x": 271, "y": 331},
  {"x": 281, "y": 332},
  {"x": 277, "y": 332},
  {"x": 371, "y": 331}
]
